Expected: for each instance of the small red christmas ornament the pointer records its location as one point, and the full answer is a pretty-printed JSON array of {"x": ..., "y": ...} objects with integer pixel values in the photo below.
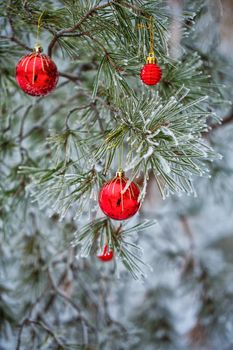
[
  {"x": 117, "y": 203},
  {"x": 107, "y": 254},
  {"x": 151, "y": 74},
  {"x": 36, "y": 73}
]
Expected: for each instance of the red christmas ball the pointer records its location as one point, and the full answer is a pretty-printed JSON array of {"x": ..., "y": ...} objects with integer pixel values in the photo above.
[
  {"x": 107, "y": 254},
  {"x": 36, "y": 74},
  {"x": 151, "y": 74},
  {"x": 117, "y": 203}
]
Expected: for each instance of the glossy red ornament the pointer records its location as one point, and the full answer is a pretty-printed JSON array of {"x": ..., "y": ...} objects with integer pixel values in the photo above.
[
  {"x": 117, "y": 203},
  {"x": 151, "y": 74},
  {"x": 107, "y": 254},
  {"x": 36, "y": 74}
]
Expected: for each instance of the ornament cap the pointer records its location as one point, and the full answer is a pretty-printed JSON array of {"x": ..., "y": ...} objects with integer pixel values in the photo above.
[
  {"x": 151, "y": 58},
  {"x": 120, "y": 173},
  {"x": 38, "y": 48}
]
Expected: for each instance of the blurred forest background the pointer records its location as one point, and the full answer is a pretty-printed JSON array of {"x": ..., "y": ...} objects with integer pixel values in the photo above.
[{"x": 49, "y": 298}]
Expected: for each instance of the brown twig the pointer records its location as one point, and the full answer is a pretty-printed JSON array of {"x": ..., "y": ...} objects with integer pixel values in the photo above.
[
  {"x": 187, "y": 230},
  {"x": 46, "y": 118},
  {"x": 71, "y": 302},
  {"x": 73, "y": 78},
  {"x": 13, "y": 37},
  {"x": 25, "y": 322},
  {"x": 135, "y": 8},
  {"x": 17, "y": 41},
  {"x": 84, "y": 322},
  {"x": 226, "y": 121},
  {"x": 190, "y": 260},
  {"x": 107, "y": 54},
  {"x": 65, "y": 31},
  {"x": 75, "y": 109},
  {"x": 28, "y": 322},
  {"x": 98, "y": 117}
]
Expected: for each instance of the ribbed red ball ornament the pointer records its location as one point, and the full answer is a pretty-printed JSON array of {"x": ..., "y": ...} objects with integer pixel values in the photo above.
[
  {"x": 117, "y": 203},
  {"x": 36, "y": 73},
  {"x": 151, "y": 73},
  {"x": 107, "y": 254}
]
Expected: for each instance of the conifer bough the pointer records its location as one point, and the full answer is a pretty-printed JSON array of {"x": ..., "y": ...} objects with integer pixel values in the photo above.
[{"x": 102, "y": 108}]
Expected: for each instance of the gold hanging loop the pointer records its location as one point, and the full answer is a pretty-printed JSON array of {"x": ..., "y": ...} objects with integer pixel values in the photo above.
[
  {"x": 151, "y": 57},
  {"x": 150, "y": 27}
]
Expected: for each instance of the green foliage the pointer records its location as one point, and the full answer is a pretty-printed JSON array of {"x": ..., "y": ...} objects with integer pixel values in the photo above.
[
  {"x": 160, "y": 128},
  {"x": 57, "y": 151},
  {"x": 100, "y": 231}
]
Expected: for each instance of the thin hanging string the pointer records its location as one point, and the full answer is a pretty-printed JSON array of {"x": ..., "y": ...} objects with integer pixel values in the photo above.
[
  {"x": 39, "y": 24},
  {"x": 122, "y": 153},
  {"x": 121, "y": 156},
  {"x": 151, "y": 28}
]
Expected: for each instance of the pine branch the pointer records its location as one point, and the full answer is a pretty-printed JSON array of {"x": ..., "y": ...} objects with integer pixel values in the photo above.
[
  {"x": 17, "y": 41},
  {"x": 84, "y": 321},
  {"x": 13, "y": 37},
  {"x": 226, "y": 121},
  {"x": 213, "y": 127},
  {"x": 63, "y": 32},
  {"x": 88, "y": 122},
  {"x": 107, "y": 54},
  {"x": 27, "y": 322},
  {"x": 75, "y": 109},
  {"x": 73, "y": 78},
  {"x": 47, "y": 117},
  {"x": 100, "y": 231}
]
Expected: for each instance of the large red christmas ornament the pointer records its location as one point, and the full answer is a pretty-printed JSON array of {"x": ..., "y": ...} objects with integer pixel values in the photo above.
[
  {"x": 151, "y": 74},
  {"x": 107, "y": 254},
  {"x": 36, "y": 73},
  {"x": 117, "y": 203}
]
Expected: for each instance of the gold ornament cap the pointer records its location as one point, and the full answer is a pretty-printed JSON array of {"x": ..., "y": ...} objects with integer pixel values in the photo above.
[
  {"x": 151, "y": 58},
  {"x": 120, "y": 173},
  {"x": 38, "y": 48}
]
